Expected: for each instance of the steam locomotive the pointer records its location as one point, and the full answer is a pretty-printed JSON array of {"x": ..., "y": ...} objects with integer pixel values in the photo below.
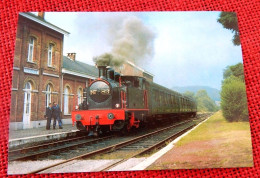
[{"x": 118, "y": 103}]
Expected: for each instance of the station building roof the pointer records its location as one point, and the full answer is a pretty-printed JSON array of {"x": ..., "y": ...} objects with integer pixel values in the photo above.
[
  {"x": 43, "y": 22},
  {"x": 78, "y": 68}
]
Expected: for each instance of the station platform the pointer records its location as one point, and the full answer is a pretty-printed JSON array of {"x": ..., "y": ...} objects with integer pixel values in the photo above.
[{"x": 20, "y": 137}]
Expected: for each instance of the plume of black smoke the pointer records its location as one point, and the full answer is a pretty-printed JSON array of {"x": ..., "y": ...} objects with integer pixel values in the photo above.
[
  {"x": 108, "y": 59},
  {"x": 133, "y": 41}
]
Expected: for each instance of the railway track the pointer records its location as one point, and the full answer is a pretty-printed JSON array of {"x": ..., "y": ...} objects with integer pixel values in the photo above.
[
  {"x": 138, "y": 145},
  {"x": 36, "y": 151},
  {"x": 146, "y": 148}
]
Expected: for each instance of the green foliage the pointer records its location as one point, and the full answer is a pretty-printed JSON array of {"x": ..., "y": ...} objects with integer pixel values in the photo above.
[
  {"x": 235, "y": 70},
  {"x": 233, "y": 99},
  {"x": 233, "y": 94},
  {"x": 238, "y": 71},
  {"x": 229, "y": 21},
  {"x": 189, "y": 94},
  {"x": 227, "y": 72},
  {"x": 204, "y": 103}
]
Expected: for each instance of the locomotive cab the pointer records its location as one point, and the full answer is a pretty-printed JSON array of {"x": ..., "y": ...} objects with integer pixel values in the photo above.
[{"x": 136, "y": 96}]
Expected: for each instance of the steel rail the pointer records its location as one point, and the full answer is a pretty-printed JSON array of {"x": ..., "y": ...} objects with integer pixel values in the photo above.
[
  {"x": 59, "y": 149},
  {"x": 106, "y": 149},
  {"x": 25, "y": 149},
  {"x": 170, "y": 138},
  {"x": 157, "y": 145}
]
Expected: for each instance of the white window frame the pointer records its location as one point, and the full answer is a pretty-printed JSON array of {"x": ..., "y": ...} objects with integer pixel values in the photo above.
[
  {"x": 48, "y": 95},
  {"x": 80, "y": 95},
  {"x": 50, "y": 51},
  {"x": 66, "y": 100},
  {"x": 30, "y": 49}
]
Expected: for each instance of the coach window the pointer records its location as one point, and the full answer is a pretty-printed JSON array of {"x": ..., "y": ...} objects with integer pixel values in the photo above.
[
  {"x": 165, "y": 99},
  {"x": 160, "y": 98},
  {"x": 48, "y": 95},
  {"x": 50, "y": 52},
  {"x": 155, "y": 96},
  {"x": 30, "y": 49}
]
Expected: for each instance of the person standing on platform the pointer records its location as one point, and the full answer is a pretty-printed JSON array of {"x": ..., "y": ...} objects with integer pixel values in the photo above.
[
  {"x": 56, "y": 115},
  {"x": 48, "y": 116}
]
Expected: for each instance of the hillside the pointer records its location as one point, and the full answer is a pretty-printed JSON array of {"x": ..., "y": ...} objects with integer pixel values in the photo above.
[{"x": 213, "y": 93}]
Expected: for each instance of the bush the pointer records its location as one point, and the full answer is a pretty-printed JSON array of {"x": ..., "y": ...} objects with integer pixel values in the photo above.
[{"x": 233, "y": 100}]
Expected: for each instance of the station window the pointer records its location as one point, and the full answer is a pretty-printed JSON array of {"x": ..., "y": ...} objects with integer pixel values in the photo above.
[
  {"x": 50, "y": 52},
  {"x": 80, "y": 95},
  {"x": 66, "y": 100},
  {"x": 30, "y": 49},
  {"x": 48, "y": 95}
]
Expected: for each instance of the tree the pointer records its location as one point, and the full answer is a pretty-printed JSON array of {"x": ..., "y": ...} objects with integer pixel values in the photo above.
[
  {"x": 204, "y": 102},
  {"x": 189, "y": 94},
  {"x": 229, "y": 21},
  {"x": 233, "y": 99},
  {"x": 235, "y": 70}
]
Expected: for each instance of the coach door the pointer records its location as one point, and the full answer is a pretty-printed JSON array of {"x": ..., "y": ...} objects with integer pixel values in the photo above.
[{"x": 27, "y": 105}]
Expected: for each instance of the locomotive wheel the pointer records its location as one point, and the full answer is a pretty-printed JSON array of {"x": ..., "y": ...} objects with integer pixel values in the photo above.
[
  {"x": 81, "y": 128},
  {"x": 98, "y": 131},
  {"x": 125, "y": 130},
  {"x": 151, "y": 124},
  {"x": 128, "y": 127}
]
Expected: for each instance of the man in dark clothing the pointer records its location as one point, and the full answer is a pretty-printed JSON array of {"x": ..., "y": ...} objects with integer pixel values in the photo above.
[
  {"x": 48, "y": 116},
  {"x": 56, "y": 115}
]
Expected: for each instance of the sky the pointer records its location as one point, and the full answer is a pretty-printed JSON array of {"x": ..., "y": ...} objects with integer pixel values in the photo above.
[{"x": 185, "y": 48}]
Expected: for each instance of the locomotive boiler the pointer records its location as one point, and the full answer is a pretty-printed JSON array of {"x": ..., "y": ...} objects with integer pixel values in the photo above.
[{"x": 118, "y": 103}]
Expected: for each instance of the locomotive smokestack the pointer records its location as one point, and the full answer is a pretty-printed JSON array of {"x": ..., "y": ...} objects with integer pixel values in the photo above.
[{"x": 102, "y": 70}]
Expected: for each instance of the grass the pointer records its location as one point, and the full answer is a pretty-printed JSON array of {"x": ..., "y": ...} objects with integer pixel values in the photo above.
[
  {"x": 214, "y": 144},
  {"x": 218, "y": 128}
]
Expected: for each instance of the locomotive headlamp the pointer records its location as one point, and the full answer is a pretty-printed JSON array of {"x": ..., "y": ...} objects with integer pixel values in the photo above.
[
  {"x": 78, "y": 117},
  {"x": 117, "y": 105},
  {"x": 110, "y": 116},
  {"x": 76, "y": 107}
]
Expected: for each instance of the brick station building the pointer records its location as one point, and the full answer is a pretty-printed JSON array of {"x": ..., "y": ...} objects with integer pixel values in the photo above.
[{"x": 41, "y": 74}]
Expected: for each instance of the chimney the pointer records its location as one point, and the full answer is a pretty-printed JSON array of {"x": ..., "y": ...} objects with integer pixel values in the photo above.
[
  {"x": 72, "y": 56},
  {"x": 41, "y": 14}
]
